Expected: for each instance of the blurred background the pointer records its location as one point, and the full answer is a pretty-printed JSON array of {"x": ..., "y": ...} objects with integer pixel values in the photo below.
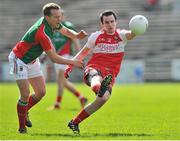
[{"x": 153, "y": 57}]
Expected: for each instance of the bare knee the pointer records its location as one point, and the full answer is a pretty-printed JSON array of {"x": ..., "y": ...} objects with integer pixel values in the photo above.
[
  {"x": 40, "y": 94},
  {"x": 24, "y": 93},
  {"x": 24, "y": 96}
]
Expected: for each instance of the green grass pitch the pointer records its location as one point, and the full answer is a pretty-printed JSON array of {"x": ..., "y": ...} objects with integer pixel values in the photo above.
[{"x": 141, "y": 112}]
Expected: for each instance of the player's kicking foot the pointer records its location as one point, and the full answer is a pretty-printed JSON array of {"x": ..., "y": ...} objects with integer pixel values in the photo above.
[
  {"x": 83, "y": 101},
  {"x": 104, "y": 84},
  {"x": 22, "y": 130},
  {"x": 74, "y": 127},
  {"x": 28, "y": 122}
]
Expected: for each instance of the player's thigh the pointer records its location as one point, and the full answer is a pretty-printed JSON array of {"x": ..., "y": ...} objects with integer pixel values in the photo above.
[
  {"x": 61, "y": 74},
  {"x": 38, "y": 85},
  {"x": 60, "y": 77},
  {"x": 36, "y": 78},
  {"x": 23, "y": 86}
]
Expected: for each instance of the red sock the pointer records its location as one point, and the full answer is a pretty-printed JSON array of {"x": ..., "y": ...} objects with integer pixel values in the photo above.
[
  {"x": 77, "y": 94},
  {"x": 21, "y": 111},
  {"x": 80, "y": 117},
  {"x": 96, "y": 88},
  {"x": 32, "y": 102},
  {"x": 58, "y": 99}
]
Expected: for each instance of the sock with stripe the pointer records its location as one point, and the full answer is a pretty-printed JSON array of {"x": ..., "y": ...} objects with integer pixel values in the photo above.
[
  {"x": 32, "y": 101},
  {"x": 22, "y": 111},
  {"x": 58, "y": 99},
  {"x": 77, "y": 94},
  {"x": 80, "y": 117}
]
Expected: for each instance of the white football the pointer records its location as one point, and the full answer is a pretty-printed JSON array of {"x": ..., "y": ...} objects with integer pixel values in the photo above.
[{"x": 138, "y": 24}]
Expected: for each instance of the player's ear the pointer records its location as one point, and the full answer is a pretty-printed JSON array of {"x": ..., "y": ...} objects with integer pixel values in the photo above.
[
  {"x": 47, "y": 18},
  {"x": 101, "y": 26}
]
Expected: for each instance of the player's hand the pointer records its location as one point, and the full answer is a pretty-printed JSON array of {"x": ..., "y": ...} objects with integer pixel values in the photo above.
[
  {"x": 67, "y": 71},
  {"x": 78, "y": 64},
  {"x": 82, "y": 34}
]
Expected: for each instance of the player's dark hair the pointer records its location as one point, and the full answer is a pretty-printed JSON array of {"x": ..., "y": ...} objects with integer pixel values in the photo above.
[
  {"x": 48, "y": 7},
  {"x": 107, "y": 13}
]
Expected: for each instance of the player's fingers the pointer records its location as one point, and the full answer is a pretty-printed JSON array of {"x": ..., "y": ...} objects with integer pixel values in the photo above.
[{"x": 84, "y": 32}]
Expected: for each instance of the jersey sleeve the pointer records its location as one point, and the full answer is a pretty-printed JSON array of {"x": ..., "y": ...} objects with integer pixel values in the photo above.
[
  {"x": 122, "y": 34},
  {"x": 45, "y": 40},
  {"x": 69, "y": 25},
  {"x": 91, "y": 40}
]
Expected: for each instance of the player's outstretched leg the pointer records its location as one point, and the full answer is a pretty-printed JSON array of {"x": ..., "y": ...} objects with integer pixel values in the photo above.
[
  {"x": 74, "y": 127},
  {"x": 104, "y": 84},
  {"x": 28, "y": 122}
]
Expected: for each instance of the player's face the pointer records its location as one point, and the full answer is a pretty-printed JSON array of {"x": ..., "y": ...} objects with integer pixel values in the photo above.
[
  {"x": 109, "y": 24},
  {"x": 55, "y": 18}
]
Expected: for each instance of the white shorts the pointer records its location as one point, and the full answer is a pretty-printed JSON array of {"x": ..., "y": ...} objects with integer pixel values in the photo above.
[
  {"x": 20, "y": 70},
  {"x": 61, "y": 66}
]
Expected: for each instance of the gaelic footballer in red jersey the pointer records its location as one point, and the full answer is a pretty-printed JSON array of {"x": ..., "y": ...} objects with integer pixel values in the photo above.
[
  {"x": 24, "y": 63},
  {"x": 107, "y": 46}
]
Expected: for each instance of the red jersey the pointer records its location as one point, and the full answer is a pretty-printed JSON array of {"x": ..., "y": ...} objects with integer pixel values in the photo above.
[{"x": 108, "y": 50}]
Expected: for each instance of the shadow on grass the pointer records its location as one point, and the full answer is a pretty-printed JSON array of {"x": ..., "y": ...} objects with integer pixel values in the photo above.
[
  {"x": 93, "y": 135},
  {"x": 74, "y": 109}
]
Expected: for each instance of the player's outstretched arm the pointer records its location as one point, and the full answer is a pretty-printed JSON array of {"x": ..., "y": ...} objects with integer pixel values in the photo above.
[
  {"x": 79, "y": 56},
  {"x": 73, "y": 34},
  {"x": 82, "y": 53},
  {"x": 60, "y": 60}
]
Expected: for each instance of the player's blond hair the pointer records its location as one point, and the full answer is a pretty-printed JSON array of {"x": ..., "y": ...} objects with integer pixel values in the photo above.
[{"x": 48, "y": 7}]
